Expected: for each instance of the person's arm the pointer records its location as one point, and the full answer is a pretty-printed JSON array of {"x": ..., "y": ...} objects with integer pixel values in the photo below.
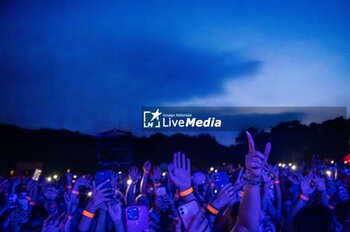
[
  {"x": 115, "y": 212},
  {"x": 307, "y": 189},
  {"x": 130, "y": 191},
  {"x": 32, "y": 191},
  {"x": 249, "y": 210},
  {"x": 99, "y": 197},
  {"x": 102, "y": 219},
  {"x": 144, "y": 180},
  {"x": 180, "y": 174},
  {"x": 220, "y": 201},
  {"x": 156, "y": 176},
  {"x": 199, "y": 223},
  {"x": 74, "y": 191},
  {"x": 278, "y": 195},
  {"x": 322, "y": 193}
]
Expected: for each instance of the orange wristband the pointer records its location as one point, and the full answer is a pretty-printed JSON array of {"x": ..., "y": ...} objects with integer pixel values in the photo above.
[
  {"x": 186, "y": 192},
  {"x": 69, "y": 186},
  {"x": 276, "y": 182},
  {"x": 212, "y": 210},
  {"x": 28, "y": 198},
  {"x": 75, "y": 192},
  {"x": 88, "y": 214},
  {"x": 331, "y": 207},
  {"x": 32, "y": 203},
  {"x": 304, "y": 198},
  {"x": 157, "y": 184}
]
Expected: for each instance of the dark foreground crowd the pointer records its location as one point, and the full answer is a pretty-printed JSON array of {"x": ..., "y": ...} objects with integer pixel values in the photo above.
[{"x": 256, "y": 197}]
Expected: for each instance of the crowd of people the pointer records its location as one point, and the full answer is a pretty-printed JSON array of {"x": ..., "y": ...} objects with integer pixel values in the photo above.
[{"x": 257, "y": 196}]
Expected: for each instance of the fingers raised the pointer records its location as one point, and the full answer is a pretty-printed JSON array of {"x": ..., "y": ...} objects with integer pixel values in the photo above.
[
  {"x": 251, "y": 143},
  {"x": 267, "y": 151}
]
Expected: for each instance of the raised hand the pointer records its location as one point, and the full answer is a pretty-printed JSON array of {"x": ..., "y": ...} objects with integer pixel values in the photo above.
[
  {"x": 306, "y": 187},
  {"x": 115, "y": 211},
  {"x": 147, "y": 166},
  {"x": 82, "y": 181},
  {"x": 134, "y": 174},
  {"x": 224, "y": 197},
  {"x": 100, "y": 196},
  {"x": 255, "y": 160},
  {"x": 180, "y": 171},
  {"x": 157, "y": 174}
]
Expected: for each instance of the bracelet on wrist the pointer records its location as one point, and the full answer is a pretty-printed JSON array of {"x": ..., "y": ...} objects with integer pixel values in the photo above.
[
  {"x": 304, "y": 198},
  {"x": 212, "y": 209},
  {"x": 276, "y": 182},
  {"x": 88, "y": 214},
  {"x": 75, "y": 192},
  {"x": 186, "y": 192}
]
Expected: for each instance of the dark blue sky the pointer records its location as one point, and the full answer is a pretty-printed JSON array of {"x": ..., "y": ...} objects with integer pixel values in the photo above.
[{"x": 87, "y": 66}]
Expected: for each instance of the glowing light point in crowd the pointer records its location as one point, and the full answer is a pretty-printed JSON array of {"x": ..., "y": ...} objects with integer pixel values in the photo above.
[
  {"x": 280, "y": 164},
  {"x": 164, "y": 174},
  {"x": 89, "y": 194},
  {"x": 332, "y": 162},
  {"x": 216, "y": 170},
  {"x": 55, "y": 176},
  {"x": 68, "y": 170},
  {"x": 129, "y": 181},
  {"x": 211, "y": 169},
  {"x": 290, "y": 164},
  {"x": 283, "y": 165},
  {"x": 294, "y": 167},
  {"x": 49, "y": 179},
  {"x": 120, "y": 172},
  {"x": 329, "y": 173},
  {"x": 75, "y": 177}
]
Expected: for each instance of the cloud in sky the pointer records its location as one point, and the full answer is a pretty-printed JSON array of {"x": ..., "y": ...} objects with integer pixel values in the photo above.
[{"x": 87, "y": 66}]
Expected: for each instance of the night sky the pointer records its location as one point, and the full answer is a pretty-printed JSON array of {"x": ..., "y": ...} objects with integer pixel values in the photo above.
[{"x": 88, "y": 66}]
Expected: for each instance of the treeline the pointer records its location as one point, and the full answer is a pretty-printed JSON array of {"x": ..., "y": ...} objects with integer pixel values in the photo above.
[{"x": 59, "y": 149}]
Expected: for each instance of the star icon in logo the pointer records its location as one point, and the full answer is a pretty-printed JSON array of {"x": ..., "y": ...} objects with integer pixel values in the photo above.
[{"x": 155, "y": 115}]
